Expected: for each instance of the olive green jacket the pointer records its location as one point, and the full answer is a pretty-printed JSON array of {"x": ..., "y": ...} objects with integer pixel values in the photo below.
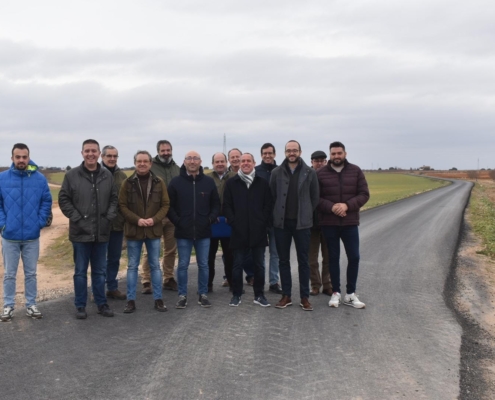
[
  {"x": 220, "y": 183},
  {"x": 131, "y": 205},
  {"x": 164, "y": 170}
]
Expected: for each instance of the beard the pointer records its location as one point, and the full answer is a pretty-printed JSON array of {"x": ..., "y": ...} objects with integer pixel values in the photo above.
[
  {"x": 297, "y": 159},
  {"x": 165, "y": 159},
  {"x": 337, "y": 162},
  {"x": 21, "y": 167}
]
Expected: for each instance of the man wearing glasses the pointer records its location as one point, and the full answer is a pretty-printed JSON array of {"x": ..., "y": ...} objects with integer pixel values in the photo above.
[
  {"x": 296, "y": 194},
  {"x": 194, "y": 206},
  {"x": 109, "y": 156}
]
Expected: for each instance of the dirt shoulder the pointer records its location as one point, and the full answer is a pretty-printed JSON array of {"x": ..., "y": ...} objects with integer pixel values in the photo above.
[{"x": 470, "y": 291}]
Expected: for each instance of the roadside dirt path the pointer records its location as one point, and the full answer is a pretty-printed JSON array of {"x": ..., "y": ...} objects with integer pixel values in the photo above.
[{"x": 49, "y": 285}]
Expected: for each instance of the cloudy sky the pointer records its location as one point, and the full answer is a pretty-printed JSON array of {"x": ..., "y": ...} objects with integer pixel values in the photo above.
[{"x": 401, "y": 83}]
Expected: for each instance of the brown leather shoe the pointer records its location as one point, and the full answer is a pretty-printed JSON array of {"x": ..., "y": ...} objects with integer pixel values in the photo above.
[
  {"x": 116, "y": 294},
  {"x": 171, "y": 284},
  {"x": 159, "y": 306},
  {"x": 284, "y": 302},
  {"x": 314, "y": 291},
  {"x": 306, "y": 305},
  {"x": 327, "y": 292},
  {"x": 146, "y": 288},
  {"x": 130, "y": 307},
  {"x": 225, "y": 283}
]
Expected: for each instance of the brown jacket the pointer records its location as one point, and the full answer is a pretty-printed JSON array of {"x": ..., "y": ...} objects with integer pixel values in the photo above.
[
  {"x": 349, "y": 187},
  {"x": 131, "y": 205}
]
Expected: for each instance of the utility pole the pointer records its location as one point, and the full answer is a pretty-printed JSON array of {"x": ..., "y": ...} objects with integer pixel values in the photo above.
[{"x": 224, "y": 144}]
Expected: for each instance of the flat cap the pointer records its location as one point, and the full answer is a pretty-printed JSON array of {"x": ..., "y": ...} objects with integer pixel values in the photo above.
[{"x": 318, "y": 154}]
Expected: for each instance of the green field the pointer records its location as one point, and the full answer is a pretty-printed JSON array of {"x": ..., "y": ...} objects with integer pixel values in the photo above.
[
  {"x": 388, "y": 187},
  {"x": 56, "y": 178}
]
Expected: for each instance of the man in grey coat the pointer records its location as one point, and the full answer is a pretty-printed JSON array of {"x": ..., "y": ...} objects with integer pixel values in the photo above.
[
  {"x": 89, "y": 199},
  {"x": 295, "y": 192}
]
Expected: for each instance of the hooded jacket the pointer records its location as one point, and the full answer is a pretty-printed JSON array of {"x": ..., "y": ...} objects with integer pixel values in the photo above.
[
  {"x": 89, "y": 206},
  {"x": 194, "y": 204},
  {"x": 165, "y": 171},
  {"x": 25, "y": 203},
  {"x": 348, "y": 186}
]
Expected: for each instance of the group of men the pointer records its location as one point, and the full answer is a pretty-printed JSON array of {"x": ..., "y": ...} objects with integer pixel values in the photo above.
[{"x": 245, "y": 208}]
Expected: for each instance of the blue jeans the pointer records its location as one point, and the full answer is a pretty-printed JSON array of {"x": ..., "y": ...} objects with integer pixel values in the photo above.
[
  {"x": 350, "y": 237},
  {"x": 184, "y": 248},
  {"x": 12, "y": 252},
  {"x": 113, "y": 259},
  {"x": 96, "y": 254},
  {"x": 258, "y": 254},
  {"x": 134, "y": 256},
  {"x": 283, "y": 238},
  {"x": 273, "y": 270}
]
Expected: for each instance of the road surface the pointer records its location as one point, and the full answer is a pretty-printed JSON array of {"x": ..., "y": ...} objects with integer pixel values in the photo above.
[{"x": 405, "y": 344}]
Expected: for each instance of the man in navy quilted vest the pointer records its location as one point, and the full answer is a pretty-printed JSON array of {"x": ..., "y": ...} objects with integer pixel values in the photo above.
[{"x": 25, "y": 205}]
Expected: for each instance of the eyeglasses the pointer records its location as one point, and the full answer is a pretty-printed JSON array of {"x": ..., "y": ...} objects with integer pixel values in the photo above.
[
  {"x": 192, "y": 159},
  {"x": 111, "y": 156},
  {"x": 292, "y": 151}
]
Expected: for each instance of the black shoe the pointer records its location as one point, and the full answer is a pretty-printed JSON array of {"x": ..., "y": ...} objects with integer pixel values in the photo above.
[
  {"x": 159, "y": 306},
  {"x": 81, "y": 313},
  {"x": 203, "y": 301},
  {"x": 130, "y": 307},
  {"x": 182, "y": 303},
  {"x": 105, "y": 311},
  {"x": 276, "y": 288}
]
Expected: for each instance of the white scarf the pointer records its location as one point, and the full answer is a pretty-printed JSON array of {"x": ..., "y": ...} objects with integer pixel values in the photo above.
[{"x": 247, "y": 178}]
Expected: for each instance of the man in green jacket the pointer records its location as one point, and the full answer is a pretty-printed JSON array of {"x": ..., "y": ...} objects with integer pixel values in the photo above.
[
  {"x": 109, "y": 156},
  {"x": 143, "y": 200},
  {"x": 165, "y": 168}
]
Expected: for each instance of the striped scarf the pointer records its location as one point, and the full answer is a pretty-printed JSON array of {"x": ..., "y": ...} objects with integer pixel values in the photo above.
[{"x": 247, "y": 178}]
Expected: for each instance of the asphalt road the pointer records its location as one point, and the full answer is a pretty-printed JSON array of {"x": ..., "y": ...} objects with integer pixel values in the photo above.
[{"x": 405, "y": 344}]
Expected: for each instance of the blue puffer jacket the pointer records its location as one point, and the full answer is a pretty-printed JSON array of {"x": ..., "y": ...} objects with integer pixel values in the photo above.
[{"x": 25, "y": 203}]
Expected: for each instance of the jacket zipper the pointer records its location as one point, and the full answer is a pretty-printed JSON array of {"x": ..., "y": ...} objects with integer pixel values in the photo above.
[{"x": 194, "y": 208}]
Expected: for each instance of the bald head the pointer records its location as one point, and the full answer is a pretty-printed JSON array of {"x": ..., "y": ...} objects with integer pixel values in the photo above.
[{"x": 192, "y": 162}]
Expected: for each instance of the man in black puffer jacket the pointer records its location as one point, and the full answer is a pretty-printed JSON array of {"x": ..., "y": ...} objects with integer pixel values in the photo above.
[{"x": 194, "y": 206}]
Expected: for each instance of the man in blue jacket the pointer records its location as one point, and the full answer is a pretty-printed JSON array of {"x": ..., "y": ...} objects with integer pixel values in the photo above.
[
  {"x": 194, "y": 206},
  {"x": 25, "y": 204}
]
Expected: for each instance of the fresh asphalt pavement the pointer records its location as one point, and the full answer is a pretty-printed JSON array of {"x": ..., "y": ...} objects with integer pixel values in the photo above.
[{"x": 405, "y": 344}]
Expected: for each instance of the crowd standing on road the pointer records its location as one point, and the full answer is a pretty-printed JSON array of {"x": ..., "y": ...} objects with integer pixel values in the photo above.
[{"x": 245, "y": 208}]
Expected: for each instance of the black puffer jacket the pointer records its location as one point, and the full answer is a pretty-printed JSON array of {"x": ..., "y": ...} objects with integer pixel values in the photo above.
[
  {"x": 194, "y": 204},
  {"x": 89, "y": 206}
]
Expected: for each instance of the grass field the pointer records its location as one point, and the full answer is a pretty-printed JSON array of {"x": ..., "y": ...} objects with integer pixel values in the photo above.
[
  {"x": 482, "y": 216},
  {"x": 388, "y": 187}
]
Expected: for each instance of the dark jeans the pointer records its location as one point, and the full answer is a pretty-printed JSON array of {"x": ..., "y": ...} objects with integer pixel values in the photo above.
[
  {"x": 350, "y": 237},
  {"x": 113, "y": 258},
  {"x": 228, "y": 259},
  {"x": 247, "y": 265},
  {"x": 259, "y": 270},
  {"x": 85, "y": 253},
  {"x": 283, "y": 239}
]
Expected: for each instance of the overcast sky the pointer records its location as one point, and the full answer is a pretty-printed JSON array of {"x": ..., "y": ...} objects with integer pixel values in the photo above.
[{"x": 400, "y": 83}]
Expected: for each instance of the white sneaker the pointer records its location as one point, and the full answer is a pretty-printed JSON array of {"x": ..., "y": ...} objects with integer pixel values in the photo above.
[
  {"x": 334, "y": 300},
  {"x": 353, "y": 301},
  {"x": 33, "y": 312},
  {"x": 8, "y": 312}
]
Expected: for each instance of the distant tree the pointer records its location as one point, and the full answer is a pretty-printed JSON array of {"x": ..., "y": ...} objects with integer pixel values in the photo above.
[
  {"x": 379, "y": 169},
  {"x": 491, "y": 174},
  {"x": 68, "y": 168},
  {"x": 453, "y": 169}
]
